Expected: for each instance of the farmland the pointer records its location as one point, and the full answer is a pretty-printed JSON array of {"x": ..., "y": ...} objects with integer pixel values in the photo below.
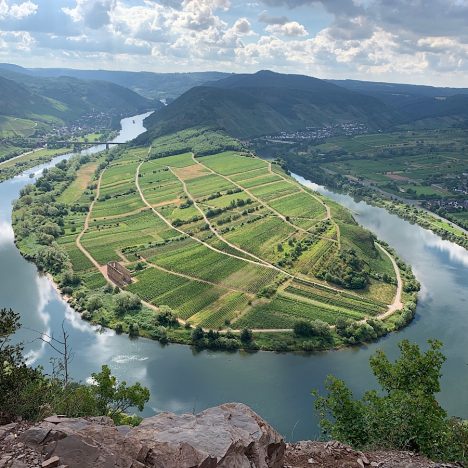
[
  {"x": 226, "y": 240},
  {"x": 411, "y": 173}
]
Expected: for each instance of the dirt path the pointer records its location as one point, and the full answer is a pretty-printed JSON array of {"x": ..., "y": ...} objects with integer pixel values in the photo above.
[
  {"x": 212, "y": 228},
  {"x": 78, "y": 243},
  {"x": 214, "y": 249},
  {"x": 397, "y": 303},
  {"x": 122, "y": 215}
]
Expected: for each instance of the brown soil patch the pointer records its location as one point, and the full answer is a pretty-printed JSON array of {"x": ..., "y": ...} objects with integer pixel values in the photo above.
[
  {"x": 396, "y": 176},
  {"x": 174, "y": 201},
  {"x": 190, "y": 172}
]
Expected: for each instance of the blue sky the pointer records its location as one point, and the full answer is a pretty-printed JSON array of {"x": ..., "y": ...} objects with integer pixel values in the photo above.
[{"x": 412, "y": 41}]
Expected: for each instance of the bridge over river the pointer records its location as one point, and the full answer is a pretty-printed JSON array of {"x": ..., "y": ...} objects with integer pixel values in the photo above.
[{"x": 89, "y": 143}]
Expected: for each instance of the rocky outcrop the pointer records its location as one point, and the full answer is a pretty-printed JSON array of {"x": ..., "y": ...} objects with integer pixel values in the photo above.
[
  {"x": 230, "y": 435},
  {"x": 227, "y": 436}
]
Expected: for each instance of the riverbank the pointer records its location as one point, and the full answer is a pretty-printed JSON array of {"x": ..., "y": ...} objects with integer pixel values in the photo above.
[
  {"x": 437, "y": 224},
  {"x": 148, "y": 320},
  {"x": 19, "y": 164}
]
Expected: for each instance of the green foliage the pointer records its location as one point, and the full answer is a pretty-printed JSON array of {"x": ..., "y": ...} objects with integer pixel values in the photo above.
[
  {"x": 125, "y": 302},
  {"x": 404, "y": 415},
  {"x": 31, "y": 394},
  {"x": 114, "y": 398},
  {"x": 246, "y": 336},
  {"x": 316, "y": 328}
]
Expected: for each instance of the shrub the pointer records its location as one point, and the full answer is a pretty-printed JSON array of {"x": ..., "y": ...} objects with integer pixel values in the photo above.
[
  {"x": 246, "y": 336},
  {"x": 125, "y": 302},
  {"x": 403, "y": 415}
]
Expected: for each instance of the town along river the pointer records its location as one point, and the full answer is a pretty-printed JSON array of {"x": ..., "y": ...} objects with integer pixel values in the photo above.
[{"x": 277, "y": 386}]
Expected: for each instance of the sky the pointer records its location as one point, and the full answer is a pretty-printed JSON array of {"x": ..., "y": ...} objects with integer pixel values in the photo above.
[{"x": 410, "y": 41}]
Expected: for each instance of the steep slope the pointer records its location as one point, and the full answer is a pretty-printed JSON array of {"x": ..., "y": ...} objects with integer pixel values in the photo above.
[
  {"x": 414, "y": 102},
  {"x": 18, "y": 101},
  {"x": 66, "y": 99},
  {"x": 267, "y": 102},
  {"x": 148, "y": 84}
]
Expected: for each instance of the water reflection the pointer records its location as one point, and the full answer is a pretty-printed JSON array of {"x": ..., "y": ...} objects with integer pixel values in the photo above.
[{"x": 275, "y": 385}]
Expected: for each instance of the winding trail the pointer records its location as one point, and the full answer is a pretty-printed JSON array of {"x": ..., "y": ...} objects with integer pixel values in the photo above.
[
  {"x": 392, "y": 308},
  {"x": 214, "y": 249},
  {"x": 397, "y": 303},
  {"x": 212, "y": 228},
  {"x": 78, "y": 243}
]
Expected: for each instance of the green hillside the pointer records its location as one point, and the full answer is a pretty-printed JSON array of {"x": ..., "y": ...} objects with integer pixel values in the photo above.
[
  {"x": 266, "y": 103},
  {"x": 148, "y": 84},
  {"x": 66, "y": 99}
]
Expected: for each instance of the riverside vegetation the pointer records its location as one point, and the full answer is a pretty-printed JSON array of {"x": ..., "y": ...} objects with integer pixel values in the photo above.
[
  {"x": 406, "y": 172},
  {"x": 225, "y": 249},
  {"x": 405, "y": 416}
]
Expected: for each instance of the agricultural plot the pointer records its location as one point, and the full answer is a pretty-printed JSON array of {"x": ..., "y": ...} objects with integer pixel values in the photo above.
[
  {"x": 299, "y": 204},
  {"x": 415, "y": 165},
  {"x": 230, "y": 162},
  {"x": 272, "y": 191},
  {"x": 76, "y": 189},
  {"x": 261, "y": 237},
  {"x": 243, "y": 265}
]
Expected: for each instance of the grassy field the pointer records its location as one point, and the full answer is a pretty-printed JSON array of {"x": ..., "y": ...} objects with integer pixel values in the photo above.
[
  {"x": 224, "y": 240},
  {"x": 416, "y": 164},
  {"x": 16, "y": 127}
]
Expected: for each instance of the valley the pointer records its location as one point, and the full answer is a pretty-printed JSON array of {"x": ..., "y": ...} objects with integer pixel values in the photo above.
[
  {"x": 227, "y": 241},
  {"x": 214, "y": 376}
]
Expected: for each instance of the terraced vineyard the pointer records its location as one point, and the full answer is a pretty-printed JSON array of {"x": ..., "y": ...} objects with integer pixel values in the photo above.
[{"x": 225, "y": 240}]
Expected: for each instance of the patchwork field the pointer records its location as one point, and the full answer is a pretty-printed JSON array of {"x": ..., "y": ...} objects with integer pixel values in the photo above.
[{"x": 224, "y": 240}]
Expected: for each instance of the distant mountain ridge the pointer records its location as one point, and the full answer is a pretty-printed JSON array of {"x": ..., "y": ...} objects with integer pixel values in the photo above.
[
  {"x": 414, "y": 102},
  {"x": 148, "y": 84},
  {"x": 266, "y": 102},
  {"x": 65, "y": 99}
]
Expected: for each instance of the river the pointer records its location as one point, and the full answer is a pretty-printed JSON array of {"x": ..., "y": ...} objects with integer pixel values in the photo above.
[{"x": 277, "y": 386}]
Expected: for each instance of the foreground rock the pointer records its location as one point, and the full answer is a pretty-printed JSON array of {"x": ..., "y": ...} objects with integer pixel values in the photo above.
[
  {"x": 227, "y": 436},
  {"x": 231, "y": 435},
  {"x": 333, "y": 454}
]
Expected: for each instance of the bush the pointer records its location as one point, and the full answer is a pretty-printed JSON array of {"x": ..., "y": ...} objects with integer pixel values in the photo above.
[
  {"x": 403, "y": 415},
  {"x": 94, "y": 302},
  {"x": 125, "y": 302},
  {"x": 166, "y": 317},
  {"x": 316, "y": 328},
  {"x": 198, "y": 334},
  {"x": 246, "y": 336}
]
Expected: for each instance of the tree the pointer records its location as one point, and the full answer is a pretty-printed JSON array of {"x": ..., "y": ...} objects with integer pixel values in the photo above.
[
  {"x": 125, "y": 302},
  {"x": 198, "y": 334},
  {"x": 166, "y": 317},
  {"x": 246, "y": 336},
  {"x": 114, "y": 398},
  {"x": 403, "y": 415},
  {"x": 316, "y": 328}
]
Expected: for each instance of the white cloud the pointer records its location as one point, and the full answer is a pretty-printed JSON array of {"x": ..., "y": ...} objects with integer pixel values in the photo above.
[
  {"x": 17, "y": 11},
  {"x": 291, "y": 28},
  {"x": 410, "y": 41}
]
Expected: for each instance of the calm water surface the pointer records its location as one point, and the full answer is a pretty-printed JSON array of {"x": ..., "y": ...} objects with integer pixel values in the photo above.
[{"x": 277, "y": 386}]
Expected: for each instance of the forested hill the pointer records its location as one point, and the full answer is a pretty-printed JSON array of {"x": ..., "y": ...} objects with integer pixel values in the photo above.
[
  {"x": 266, "y": 102},
  {"x": 66, "y": 99},
  {"x": 415, "y": 102},
  {"x": 148, "y": 84}
]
